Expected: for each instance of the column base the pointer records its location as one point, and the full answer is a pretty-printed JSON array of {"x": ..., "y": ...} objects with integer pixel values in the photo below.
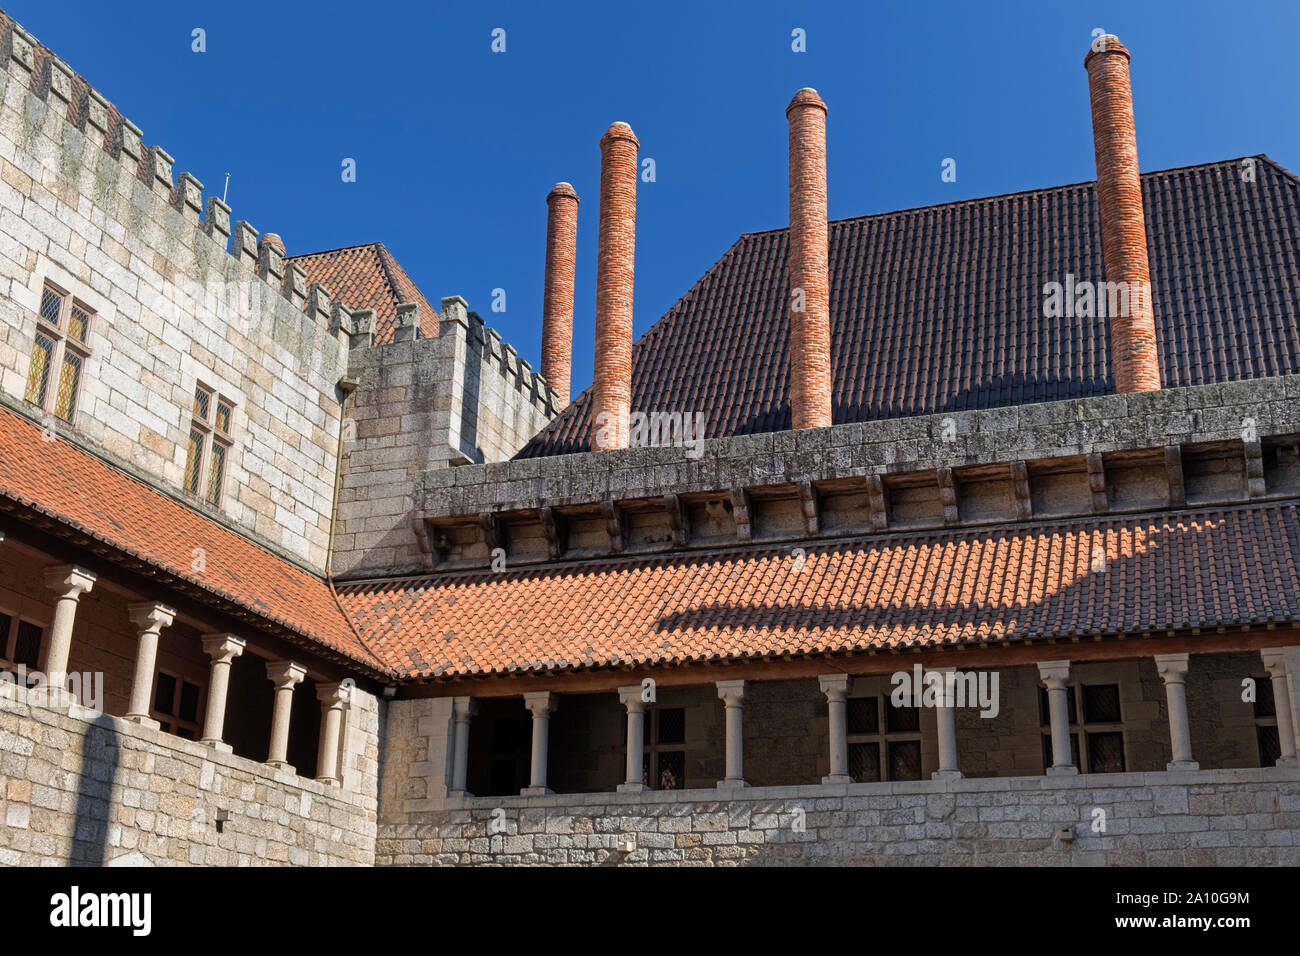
[
  {"x": 946, "y": 775},
  {"x": 51, "y": 698},
  {"x": 219, "y": 746},
  {"x": 1288, "y": 762},
  {"x": 632, "y": 788},
  {"x": 1182, "y": 765},
  {"x": 281, "y": 765},
  {"x": 330, "y": 781},
  {"x": 837, "y": 778},
  {"x": 458, "y": 794},
  {"x": 143, "y": 720},
  {"x": 1067, "y": 771},
  {"x": 536, "y": 792},
  {"x": 731, "y": 783}
]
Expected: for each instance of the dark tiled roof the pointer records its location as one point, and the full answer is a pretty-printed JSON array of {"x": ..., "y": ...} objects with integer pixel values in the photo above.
[
  {"x": 940, "y": 308},
  {"x": 368, "y": 277},
  {"x": 1221, "y": 567}
]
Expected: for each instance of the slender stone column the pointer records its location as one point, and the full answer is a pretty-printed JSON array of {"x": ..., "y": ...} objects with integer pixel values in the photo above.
[
  {"x": 1054, "y": 675},
  {"x": 946, "y": 727},
  {"x": 635, "y": 704},
  {"x": 542, "y": 703},
  {"x": 836, "y": 689},
  {"x": 463, "y": 708},
  {"x": 1173, "y": 668},
  {"x": 222, "y": 648},
  {"x": 69, "y": 582},
  {"x": 1275, "y": 664},
  {"x": 1291, "y": 655},
  {"x": 732, "y": 693},
  {"x": 334, "y": 699},
  {"x": 150, "y": 618},
  {"x": 285, "y": 675}
]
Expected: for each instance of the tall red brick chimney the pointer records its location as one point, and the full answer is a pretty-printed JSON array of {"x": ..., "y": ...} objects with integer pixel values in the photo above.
[
  {"x": 1133, "y": 350},
  {"x": 611, "y": 386},
  {"x": 557, "y": 301},
  {"x": 809, "y": 307}
]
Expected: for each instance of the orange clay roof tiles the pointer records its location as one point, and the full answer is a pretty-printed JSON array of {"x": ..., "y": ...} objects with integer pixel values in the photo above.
[
  {"x": 368, "y": 277},
  {"x": 1221, "y": 567},
  {"x": 77, "y": 489}
]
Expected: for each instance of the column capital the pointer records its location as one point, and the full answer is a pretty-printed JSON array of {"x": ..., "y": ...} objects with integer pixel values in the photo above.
[
  {"x": 834, "y": 686},
  {"x": 285, "y": 673},
  {"x": 223, "y": 647},
  {"x": 1172, "y": 667},
  {"x": 630, "y": 697},
  {"x": 70, "y": 579},
  {"x": 732, "y": 691},
  {"x": 338, "y": 694},
  {"x": 1274, "y": 660},
  {"x": 541, "y": 702},
  {"x": 1054, "y": 673},
  {"x": 463, "y": 708},
  {"x": 151, "y": 615}
]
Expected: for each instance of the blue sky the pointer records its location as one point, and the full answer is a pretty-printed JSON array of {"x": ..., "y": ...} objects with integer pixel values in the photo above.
[{"x": 456, "y": 146}]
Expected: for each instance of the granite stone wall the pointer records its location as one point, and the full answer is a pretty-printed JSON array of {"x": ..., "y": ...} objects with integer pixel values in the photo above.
[
  {"x": 1197, "y": 818},
  {"x": 82, "y": 788}
]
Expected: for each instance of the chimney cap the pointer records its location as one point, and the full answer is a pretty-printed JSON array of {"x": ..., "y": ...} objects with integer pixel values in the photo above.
[
  {"x": 562, "y": 190},
  {"x": 807, "y": 97},
  {"x": 1105, "y": 44},
  {"x": 619, "y": 131},
  {"x": 270, "y": 238}
]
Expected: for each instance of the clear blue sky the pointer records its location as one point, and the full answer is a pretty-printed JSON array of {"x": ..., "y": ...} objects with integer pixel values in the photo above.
[{"x": 457, "y": 146}]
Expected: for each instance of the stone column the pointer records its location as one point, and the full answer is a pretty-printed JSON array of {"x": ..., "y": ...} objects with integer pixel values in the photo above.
[
  {"x": 836, "y": 689},
  {"x": 946, "y": 727},
  {"x": 542, "y": 703},
  {"x": 631, "y": 698},
  {"x": 1275, "y": 664},
  {"x": 285, "y": 675},
  {"x": 1291, "y": 655},
  {"x": 1054, "y": 674},
  {"x": 222, "y": 648},
  {"x": 732, "y": 693},
  {"x": 463, "y": 708},
  {"x": 333, "y": 700},
  {"x": 1173, "y": 669},
  {"x": 69, "y": 582},
  {"x": 150, "y": 618}
]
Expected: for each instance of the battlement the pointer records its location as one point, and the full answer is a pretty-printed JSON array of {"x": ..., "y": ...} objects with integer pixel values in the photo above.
[{"x": 84, "y": 108}]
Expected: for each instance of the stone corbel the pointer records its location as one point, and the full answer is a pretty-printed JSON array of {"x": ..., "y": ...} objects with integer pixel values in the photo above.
[{"x": 808, "y": 505}]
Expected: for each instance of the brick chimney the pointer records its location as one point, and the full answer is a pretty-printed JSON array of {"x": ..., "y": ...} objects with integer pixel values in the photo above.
[
  {"x": 1133, "y": 350},
  {"x": 611, "y": 385},
  {"x": 271, "y": 239},
  {"x": 809, "y": 306},
  {"x": 557, "y": 300}
]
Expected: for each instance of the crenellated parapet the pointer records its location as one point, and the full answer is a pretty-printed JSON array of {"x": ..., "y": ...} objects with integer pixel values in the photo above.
[{"x": 34, "y": 66}]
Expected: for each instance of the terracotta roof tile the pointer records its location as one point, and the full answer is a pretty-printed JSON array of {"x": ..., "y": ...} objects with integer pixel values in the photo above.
[
  {"x": 1222, "y": 567},
  {"x": 368, "y": 277},
  {"x": 62, "y": 481}
]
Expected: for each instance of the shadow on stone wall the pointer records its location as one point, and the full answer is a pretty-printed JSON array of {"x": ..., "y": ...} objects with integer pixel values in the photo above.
[{"x": 99, "y": 765}]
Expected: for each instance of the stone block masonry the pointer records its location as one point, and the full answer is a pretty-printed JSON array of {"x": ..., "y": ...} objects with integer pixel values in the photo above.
[
  {"x": 463, "y": 397},
  {"x": 1196, "y": 818},
  {"x": 88, "y": 210},
  {"x": 81, "y": 789}
]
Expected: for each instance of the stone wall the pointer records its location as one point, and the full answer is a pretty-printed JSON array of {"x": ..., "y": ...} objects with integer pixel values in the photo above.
[
  {"x": 460, "y": 398},
  {"x": 84, "y": 205},
  {"x": 1109, "y": 424},
  {"x": 92, "y": 789},
  {"x": 1198, "y": 818}
]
